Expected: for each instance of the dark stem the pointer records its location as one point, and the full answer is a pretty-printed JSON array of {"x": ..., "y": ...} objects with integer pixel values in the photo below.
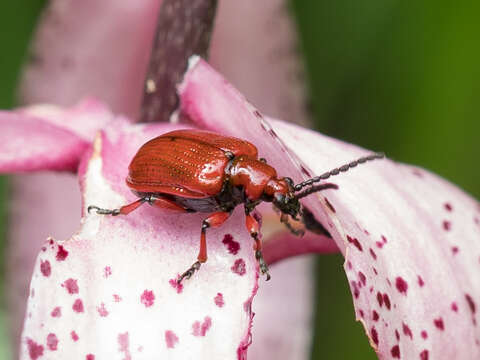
[{"x": 184, "y": 28}]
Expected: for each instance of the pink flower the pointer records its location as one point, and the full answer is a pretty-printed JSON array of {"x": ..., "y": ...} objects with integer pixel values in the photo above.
[
  {"x": 108, "y": 289},
  {"x": 114, "y": 279}
]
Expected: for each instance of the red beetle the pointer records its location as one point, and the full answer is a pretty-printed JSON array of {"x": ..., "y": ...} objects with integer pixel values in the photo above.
[{"x": 200, "y": 171}]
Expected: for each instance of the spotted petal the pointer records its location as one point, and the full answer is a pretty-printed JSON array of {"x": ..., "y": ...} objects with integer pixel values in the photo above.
[
  {"x": 410, "y": 238},
  {"x": 110, "y": 290}
]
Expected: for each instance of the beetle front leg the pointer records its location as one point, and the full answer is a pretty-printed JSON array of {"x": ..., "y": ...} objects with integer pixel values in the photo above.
[
  {"x": 214, "y": 220},
  {"x": 254, "y": 228}
]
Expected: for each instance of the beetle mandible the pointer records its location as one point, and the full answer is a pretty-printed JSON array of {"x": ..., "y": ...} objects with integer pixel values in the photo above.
[{"x": 201, "y": 171}]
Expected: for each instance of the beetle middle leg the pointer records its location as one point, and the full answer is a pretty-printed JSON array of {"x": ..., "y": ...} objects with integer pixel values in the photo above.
[
  {"x": 253, "y": 228},
  {"x": 214, "y": 220}
]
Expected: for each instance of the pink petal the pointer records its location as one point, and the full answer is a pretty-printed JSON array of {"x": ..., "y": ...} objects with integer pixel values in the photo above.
[
  {"x": 390, "y": 221},
  {"x": 92, "y": 48},
  {"x": 123, "y": 268},
  {"x": 47, "y": 137},
  {"x": 46, "y": 147},
  {"x": 260, "y": 57}
]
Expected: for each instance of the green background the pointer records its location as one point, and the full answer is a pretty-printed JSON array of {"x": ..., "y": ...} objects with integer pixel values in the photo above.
[{"x": 395, "y": 76}]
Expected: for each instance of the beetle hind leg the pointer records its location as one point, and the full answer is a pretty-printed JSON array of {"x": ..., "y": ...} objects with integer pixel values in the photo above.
[{"x": 214, "y": 220}]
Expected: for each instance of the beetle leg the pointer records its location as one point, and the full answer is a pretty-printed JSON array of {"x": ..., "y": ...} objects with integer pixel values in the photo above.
[
  {"x": 214, "y": 220},
  {"x": 253, "y": 228},
  {"x": 124, "y": 210}
]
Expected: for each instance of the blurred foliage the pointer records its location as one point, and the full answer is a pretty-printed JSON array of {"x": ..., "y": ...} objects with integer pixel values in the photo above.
[
  {"x": 395, "y": 76},
  {"x": 399, "y": 77}
]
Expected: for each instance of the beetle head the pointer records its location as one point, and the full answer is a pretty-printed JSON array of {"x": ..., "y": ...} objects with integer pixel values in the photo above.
[{"x": 281, "y": 192}]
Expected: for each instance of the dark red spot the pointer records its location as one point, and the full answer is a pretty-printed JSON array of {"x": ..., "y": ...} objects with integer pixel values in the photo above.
[
  {"x": 176, "y": 285},
  {"x": 439, "y": 323},
  {"x": 374, "y": 256},
  {"x": 201, "y": 329},
  {"x": 232, "y": 245},
  {"x": 447, "y": 206},
  {"x": 379, "y": 244},
  {"x": 107, "y": 271},
  {"x": 363, "y": 278},
  {"x": 365, "y": 231},
  {"x": 147, "y": 298},
  {"x": 45, "y": 268},
  {"x": 397, "y": 334},
  {"x": 239, "y": 267},
  {"x": 71, "y": 286},
  {"x": 420, "y": 281},
  {"x": 355, "y": 290},
  {"x": 454, "y": 306},
  {"x": 454, "y": 250},
  {"x": 102, "y": 310},
  {"x": 170, "y": 339},
  {"x": 375, "y": 271},
  {"x": 424, "y": 355},
  {"x": 424, "y": 334},
  {"x": 117, "y": 298},
  {"x": 90, "y": 357},
  {"x": 471, "y": 303},
  {"x": 362, "y": 315},
  {"x": 380, "y": 299},
  {"x": 330, "y": 206},
  {"x": 219, "y": 300},
  {"x": 374, "y": 335},
  {"x": 395, "y": 351},
  {"x": 384, "y": 239},
  {"x": 124, "y": 345},
  {"x": 386, "y": 300},
  {"x": 375, "y": 315},
  {"x": 401, "y": 285},
  {"x": 257, "y": 114},
  {"x": 407, "y": 331},
  {"x": 355, "y": 242},
  {"x": 417, "y": 173},
  {"x": 446, "y": 225},
  {"x": 56, "y": 312},
  {"x": 349, "y": 265},
  {"x": 74, "y": 336},
  {"x": 34, "y": 350},
  {"x": 52, "y": 341},
  {"x": 61, "y": 253},
  {"x": 78, "y": 306}
]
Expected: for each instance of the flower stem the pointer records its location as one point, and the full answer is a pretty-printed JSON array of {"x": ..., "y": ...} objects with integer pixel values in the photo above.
[{"x": 184, "y": 28}]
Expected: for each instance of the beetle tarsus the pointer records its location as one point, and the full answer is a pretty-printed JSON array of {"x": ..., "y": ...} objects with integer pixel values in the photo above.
[
  {"x": 188, "y": 274},
  {"x": 101, "y": 211},
  {"x": 263, "y": 265}
]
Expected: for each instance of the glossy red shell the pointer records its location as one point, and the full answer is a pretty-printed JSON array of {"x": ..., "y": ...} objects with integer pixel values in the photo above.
[{"x": 189, "y": 163}]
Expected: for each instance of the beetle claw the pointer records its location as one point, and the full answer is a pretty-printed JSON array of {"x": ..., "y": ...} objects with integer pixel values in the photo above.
[
  {"x": 263, "y": 265},
  {"x": 101, "y": 211},
  {"x": 188, "y": 274}
]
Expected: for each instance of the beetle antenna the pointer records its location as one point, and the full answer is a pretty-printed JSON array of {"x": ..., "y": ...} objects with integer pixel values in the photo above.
[
  {"x": 316, "y": 188},
  {"x": 338, "y": 170}
]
